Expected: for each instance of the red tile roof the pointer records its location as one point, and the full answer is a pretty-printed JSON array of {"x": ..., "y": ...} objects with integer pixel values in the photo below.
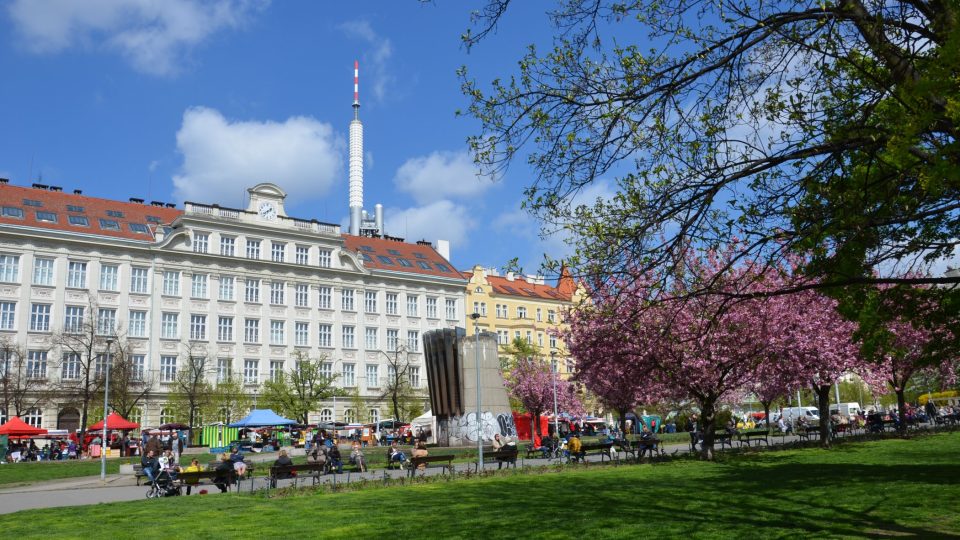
[
  {"x": 396, "y": 256},
  {"x": 522, "y": 288},
  {"x": 32, "y": 200}
]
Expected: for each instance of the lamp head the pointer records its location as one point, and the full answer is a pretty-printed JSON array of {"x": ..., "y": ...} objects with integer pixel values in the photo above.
[{"x": 474, "y": 316}]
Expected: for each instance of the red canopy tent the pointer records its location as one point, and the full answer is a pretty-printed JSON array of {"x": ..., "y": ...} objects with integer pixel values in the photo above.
[
  {"x": 115, "y": 421},
  {"x": 16, "y": 427}
]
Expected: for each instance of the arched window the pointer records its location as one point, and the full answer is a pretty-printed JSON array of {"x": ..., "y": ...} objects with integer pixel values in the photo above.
[
  {"x": 34, "y": 417},
  {"x": 326, "y": 415},
  {"x": 374, "y": 416},
  {"x": 136, "y": 415},
  {"x": 348, "y": 416},
  {"x": 478, "y": 290},
  {"x": 166, "y": 415}
]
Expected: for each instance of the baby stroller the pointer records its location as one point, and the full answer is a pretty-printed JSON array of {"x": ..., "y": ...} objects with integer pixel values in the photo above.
[{"x": 163, "y": 485}]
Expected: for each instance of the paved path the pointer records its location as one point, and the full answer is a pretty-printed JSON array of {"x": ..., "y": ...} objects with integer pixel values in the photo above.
[{"x": 89, "y": 490}]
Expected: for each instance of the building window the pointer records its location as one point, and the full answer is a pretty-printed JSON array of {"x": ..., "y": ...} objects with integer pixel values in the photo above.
[
  {"x": 476, "y": 307},
  {"x": 349, "y": 375},
  {"x": 70, "y": 368},
  {"x": 108, "y": 277},
  {"x": 503, "y": 337},
  {"x": 539, "y": 315},
  {"x": 166, "y": 415},
  {"x": 370, "y": 301},
  {"x": 77, "y": 275},
  {"x": 137, "y": 327},
  {"x": 303, "y": 255},
  {"x": 521, "y": 312},
  {"x": 301, "y": 297},
  {"x": 37, "y": 364},
  {"x": 251, "y": 331},
  {"x": 40, "y": 317},
  {"x": 551, "y": 315},
  {"x": 326, "y": 256},
  {"x": 483, "y": 309},
  {"x": 51, "y": 217},
  {"x": 539, "y": 339},
  {"x": 10, "y": 268},
  {"x": 501, "y": 311},
  {"x": 251, "y": 372},
  {"x": 346, "y": 300},
  {"x": 326, "y": 415},
  {"x": 73, "y": 319},
  {"x": 349, "y": 337},
  {"x": 100, "y": 364},
  {"x": 451, "y": 305},
  {"x": 413, "y": 340},
  {"x": 201, "y": 242},
  {"x": 253, "y": 249},
  {"x": 13, "y": 212},
  {"x": 198, "y": 327},
  {"x": 171, "y": 283},
  {"x": 225, "y": 329},
  {"x": 301, "y": 334},
  {"x": 553, "y": 342},
  {"x": 374, "y": 416},
  {"x": 431, "y": 307},
  {"x": 414, "y": 372},
  {"x": 276, "y": 370},
  {"x": 252, "y": 291},
  {"x": 373, "y": 376},
  {"x": 326, "y": 370},
  {"x": 170, "y": 325},
  {"x": 228, "y": 246},
  {"x": 168, "y": 369},
  {"x": 277, "y": 331},
  {"x": 138, "y": 279},
  {"x": 413, "y": 306},
  {"x": 8, "y": 315},
  {"x": 348, "y": 416},
  {"x": 278, "y": 251},
  {"x": 34, "y": 417},
  {"x": 106, "y": 321},
  {"x": 79, "y": 221},
  {"x": 325, "y": 335},
  {"x": 391, "y": 303},
  {"x": 371, "y": 339},
  {"x": 529, "y": 337},
  {"x": 393, "y": 339},
  {"x": 276, "y": 292},
  {"x": 42, "y": 271},
  {"x": 198, "y": 287},
  {"x": 326, "y": 298},
  {"x": 137, "y": 366},
  {"x": 226, "y": 288},
  {"x": 223, "y": 369},
  {"x": 516, "y": 335}
]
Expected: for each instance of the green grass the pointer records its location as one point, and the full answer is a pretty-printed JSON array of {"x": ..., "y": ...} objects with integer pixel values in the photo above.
[{"x": 882, "y": 488}]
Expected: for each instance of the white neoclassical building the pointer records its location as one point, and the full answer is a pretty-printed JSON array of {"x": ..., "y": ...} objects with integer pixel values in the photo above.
[{"x": 250, "y": 287}]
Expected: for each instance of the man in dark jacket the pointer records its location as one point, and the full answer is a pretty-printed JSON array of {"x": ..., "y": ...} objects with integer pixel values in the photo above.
[
  {"x": 150, "y": 464},
  {"x": 224, "y": 471}
]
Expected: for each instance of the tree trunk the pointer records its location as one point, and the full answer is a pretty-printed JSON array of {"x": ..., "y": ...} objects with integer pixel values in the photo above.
[
  {"x": 901, "y": 410},
  {"x": 535, "y": 428},
  {"x": 766, "y": 415},
  {"x": 823, "y": 404},
  {"x": 623, "y": 421},
  {"x": 708, "y": 420}
]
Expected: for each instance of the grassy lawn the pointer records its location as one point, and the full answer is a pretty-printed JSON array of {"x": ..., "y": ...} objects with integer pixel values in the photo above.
[
  {"x": 883, "y": 488},
  {"x": 38, "y": 471}
]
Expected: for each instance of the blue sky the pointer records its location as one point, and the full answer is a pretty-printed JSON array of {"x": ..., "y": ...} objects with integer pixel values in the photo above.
[{"x": 184, "y": 100}]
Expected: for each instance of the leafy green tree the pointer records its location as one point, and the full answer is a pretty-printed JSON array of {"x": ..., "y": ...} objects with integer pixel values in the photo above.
[
  {"x": 826, "y": 128},
  {"x": 301, "y": 389},
  {"x": 192, "y": 392},
  {"x": 228, "y": 400}
]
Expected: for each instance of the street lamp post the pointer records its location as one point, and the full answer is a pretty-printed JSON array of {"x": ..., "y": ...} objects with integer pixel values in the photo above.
[
  {"x": 553, "y": 369},
  {"x": 476, "y": 327},
  {"x": 106, "y": 411}
]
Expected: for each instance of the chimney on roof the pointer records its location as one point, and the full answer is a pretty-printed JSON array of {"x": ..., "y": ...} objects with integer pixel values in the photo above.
[
  {"x": 424, "y": 243},
  {"x": 136, "y": 200},
  {"x": 56, "y": 188},
  {"x": 443, "y": 248},
  {"x": 78, "y": 192},
  {"x": 4, "y": 180},
  {"x": 170, "y": 205},
  {"x": 510, "y": 276},
  {"x": 156, "y": 203},
  {"x": 40, "y": 186}
]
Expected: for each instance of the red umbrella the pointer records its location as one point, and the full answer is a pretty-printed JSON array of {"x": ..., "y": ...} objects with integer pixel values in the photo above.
[
  {"x": 17, "y": 427},
  {"x": 115, "y": 421}
]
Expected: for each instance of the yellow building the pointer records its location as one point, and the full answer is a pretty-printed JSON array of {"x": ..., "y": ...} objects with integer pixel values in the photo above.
[{"x": 526, "y": 307}]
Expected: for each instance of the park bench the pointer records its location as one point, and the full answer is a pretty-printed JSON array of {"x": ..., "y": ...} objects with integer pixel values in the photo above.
[
  {"x": 839, "y": 429},
  {"x": 603, "y": 449},
  {"x": 425, "y": 460},
  {"x": 194, "y": 478},
  {"x": 643, "y": 446},
  {"x": 724, "y": 438},
  {"x": 281, "y": 472},
  {"x": 808, "y": 431},
  {"x": 755, "y": 434},
  {"x": 507, "y": 454}
]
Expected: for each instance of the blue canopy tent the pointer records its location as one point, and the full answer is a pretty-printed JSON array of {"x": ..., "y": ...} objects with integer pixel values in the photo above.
[{"x": 262, "y": 418}]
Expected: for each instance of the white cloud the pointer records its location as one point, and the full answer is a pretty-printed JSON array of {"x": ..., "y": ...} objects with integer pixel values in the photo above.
[
  {"x": 441, "y": 175},
  {"x": 302, "y": 155},
  {"x": 374, "y": 71},
  {"x": 443, "y": 220},
  {"x": 154, "y": 35}
]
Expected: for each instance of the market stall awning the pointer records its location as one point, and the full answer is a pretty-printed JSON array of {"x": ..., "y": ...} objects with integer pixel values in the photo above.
[
  {"x": 115, "y": 421},
  {"x": 16, "y": 427},
  {"x": 262, "y": 418}
]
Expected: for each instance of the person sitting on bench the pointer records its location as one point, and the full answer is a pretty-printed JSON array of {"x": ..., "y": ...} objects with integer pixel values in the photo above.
[
  {"x": 396, "y": 455},
  {"x": 420, "y": 450},
  {"x": 283, "y": 460},
  {"x": 193, "y": 467}
]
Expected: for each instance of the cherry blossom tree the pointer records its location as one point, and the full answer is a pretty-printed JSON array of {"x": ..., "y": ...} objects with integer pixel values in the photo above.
[{"x": 531, "y": 382}]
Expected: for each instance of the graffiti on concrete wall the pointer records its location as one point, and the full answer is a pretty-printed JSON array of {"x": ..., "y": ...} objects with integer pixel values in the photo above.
[{"x": 463, "y": 430}]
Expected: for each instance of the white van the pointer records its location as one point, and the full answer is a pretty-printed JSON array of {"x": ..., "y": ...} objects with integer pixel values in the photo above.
[
  {"x": 848, "y": 410},
  {"x": 811, "y": 414}
]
